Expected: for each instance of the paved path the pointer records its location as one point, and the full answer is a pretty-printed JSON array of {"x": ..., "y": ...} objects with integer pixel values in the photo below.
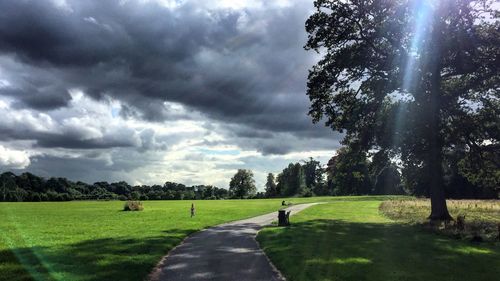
[{"x": 224, "y": 252}]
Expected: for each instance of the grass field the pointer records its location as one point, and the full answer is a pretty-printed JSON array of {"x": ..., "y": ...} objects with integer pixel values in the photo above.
[
  {"x": 345, "y": 239},
  {"x": 98, "y": 241},
  {"x": 350, "y": 240}
]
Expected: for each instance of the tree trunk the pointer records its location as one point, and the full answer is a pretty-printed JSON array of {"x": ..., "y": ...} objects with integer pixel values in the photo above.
[{"x": 439, "y": 210}]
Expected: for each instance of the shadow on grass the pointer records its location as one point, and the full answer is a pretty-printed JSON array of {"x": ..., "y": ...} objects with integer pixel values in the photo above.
[
  {"x": 99, "y": 259},
  {"x": 340, "y": 250}
]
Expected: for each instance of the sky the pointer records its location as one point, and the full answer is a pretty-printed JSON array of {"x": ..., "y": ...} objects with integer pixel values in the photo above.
[{"x": 155, "y": 91}]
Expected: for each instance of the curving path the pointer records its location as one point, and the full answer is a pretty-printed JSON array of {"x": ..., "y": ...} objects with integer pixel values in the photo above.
[{"x": 224, "y": 252}]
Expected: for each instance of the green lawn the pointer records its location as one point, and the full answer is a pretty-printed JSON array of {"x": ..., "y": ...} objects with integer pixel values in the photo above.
[
  {"x": 350, "y": 240},
  {"x": 98, "y": 241}
]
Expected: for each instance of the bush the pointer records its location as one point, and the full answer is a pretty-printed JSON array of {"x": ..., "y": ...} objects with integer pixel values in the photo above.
[{"x": 133, "y": 206}]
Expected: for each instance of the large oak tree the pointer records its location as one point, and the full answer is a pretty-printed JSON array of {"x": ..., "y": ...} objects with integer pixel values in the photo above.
[{"x": 413, "y": 77}]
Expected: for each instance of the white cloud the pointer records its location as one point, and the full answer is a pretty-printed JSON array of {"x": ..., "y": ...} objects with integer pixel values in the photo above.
[
  {"x": 62, "y": 5},
  {"x": 13, "y": 159}
]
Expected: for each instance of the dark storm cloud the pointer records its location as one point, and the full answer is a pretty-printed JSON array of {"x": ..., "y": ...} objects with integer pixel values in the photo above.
[
  {"x": 68, "y": 140},
  {"x": 243, "y": 67},
  {"x": 43, "y": 98},
  {"x": 87, "y": 168}
]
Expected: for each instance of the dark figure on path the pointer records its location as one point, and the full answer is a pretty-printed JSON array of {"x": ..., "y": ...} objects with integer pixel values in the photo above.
[
  {"x": 283, "y": 203},
  {"x": 192, "y": 210}
]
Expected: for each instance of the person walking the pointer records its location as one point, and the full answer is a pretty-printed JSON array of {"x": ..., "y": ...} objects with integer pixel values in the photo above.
[{"x": 192, "y": 210}]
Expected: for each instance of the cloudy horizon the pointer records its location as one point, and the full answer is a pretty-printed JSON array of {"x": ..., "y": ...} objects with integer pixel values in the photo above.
[{"x": 155, "y": 91}]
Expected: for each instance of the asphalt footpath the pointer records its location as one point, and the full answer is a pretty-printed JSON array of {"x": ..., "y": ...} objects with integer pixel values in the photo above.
[{"x": 224, "y": 252}]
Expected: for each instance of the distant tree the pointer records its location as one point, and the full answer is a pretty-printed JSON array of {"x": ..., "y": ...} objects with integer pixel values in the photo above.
[
  {"x": 329, "y": 171},
  {"x": 388, "y": 181},
  {"x": 221, "y": 193},
  {"x": 259, "y": 195},
  {"x": 313, "y": 172},
  {"x": 348, "y": 173},
  {"x": 82, "y": 188},
  {"x": 379, "y": 161},
  {"x": 482, "y": 170},
  {"x": 7, "y": 186},
  {"x": 242, "y": 184},
  {"x": 292, "y": 180},
  {"x": 28, "y": 181},
  {"x": 271, "y": 190},
  {"x": 178, "y": 195},
  {"x": 35, "y": 197},
  {"x": 134, "y": 195},
  {"x": 208, "y": 192},
  {"x": 120, "y": 188},
  {"x": 385, "y": 177},
  {"x": 415, "y": 77}
]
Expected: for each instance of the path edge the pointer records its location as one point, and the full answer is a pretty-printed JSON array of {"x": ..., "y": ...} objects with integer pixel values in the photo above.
[
  {"x": 275, "y": 269},
  {"x": 156, "y": 271}
]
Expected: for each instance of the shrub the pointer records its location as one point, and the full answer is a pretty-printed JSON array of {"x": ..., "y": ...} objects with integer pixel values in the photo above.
[{"x": 133, "y": 206}]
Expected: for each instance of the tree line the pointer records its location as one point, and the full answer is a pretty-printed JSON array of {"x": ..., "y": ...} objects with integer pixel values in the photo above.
[
  {"x": 351, "y": 172},
  {"x": 354, "y": 172},
  {"x": 29, "y": 187}
]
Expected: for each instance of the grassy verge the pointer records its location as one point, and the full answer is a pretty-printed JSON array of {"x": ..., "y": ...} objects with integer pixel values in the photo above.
[
  {"x": 353, "y": 241},
  {"x": 481, "y": 217}
]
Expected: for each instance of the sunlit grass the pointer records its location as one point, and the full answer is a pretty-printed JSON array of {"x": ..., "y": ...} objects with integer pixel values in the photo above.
[
  {"x": 353, "y": 241},
  {"x": 98, "y": 241},
  {"x": 482, "y": 217}
]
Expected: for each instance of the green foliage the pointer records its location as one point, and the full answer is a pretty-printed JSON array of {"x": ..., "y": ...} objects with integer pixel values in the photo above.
[
  {"x": 483, "y": 170},
  {"x": 416, "y": 78},
  {"x": 348, "y": 173},
  {"x": 292, "y": 181},
  {"x": 313, "y": 173},
  {"x": 133, "y": 206},
  {"x": 271, "y": 189},
  {"x": 354, "y": 172},
  {"x": 28, "y": 187},
  {"x": 242, "y": 184},
  {"x": 388, "y": 181},
  {"x": 351, "y": 241}
]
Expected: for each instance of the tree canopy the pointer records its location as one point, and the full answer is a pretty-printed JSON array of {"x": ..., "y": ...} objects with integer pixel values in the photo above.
[
  {"x": 415, "y": 78},
  {"x": 271, "y": 190},
  {"x": 292, "y": 180},
  {"x": 242, "y": 184}
]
